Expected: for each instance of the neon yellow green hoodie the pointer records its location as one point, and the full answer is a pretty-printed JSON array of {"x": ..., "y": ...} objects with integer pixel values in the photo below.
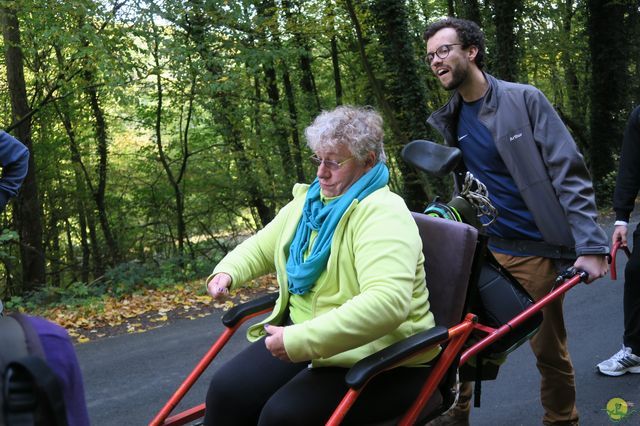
[{"x": 374, "y": 293}]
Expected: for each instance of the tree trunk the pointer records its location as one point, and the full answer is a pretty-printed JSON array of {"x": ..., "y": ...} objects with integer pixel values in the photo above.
[
  {"x": 164, "y": 160},
  {"x": 387, "y": 111},
  {"x": 310, "y": 98},
  {"x": 469, "y": 9},
  {"x": 263, "y": 161},
  {"x": 335, "y": 62},
  {"x": 280, "y": 134},
  {"x": 609, "y": 82},
  {"x": 224, "y": 115},
  {"x": 103, "y": 153},
  {"x": 293, "y": 117},
  {"x": 186, "y": 154},
  {"x": 71, "y": 252},
  {"x": 28, "y": 210},
  {"x": 451, "y": 10},
  {"x": 577, "y": 106},
  {"x": 84, "y": 241},
  {"x": 268, "y": 34},
  {"x": 98, "y": 258},
  {"x": 505, "y": 61},
  {"x": 82, "y": 181},
  {"x": 337, "y": 80},
  {"x": 634, "y": 47},
  {"x": 265, "y": 212},
  {"x": 406, "y": 94},
  {"x": 54, "y": 249}
]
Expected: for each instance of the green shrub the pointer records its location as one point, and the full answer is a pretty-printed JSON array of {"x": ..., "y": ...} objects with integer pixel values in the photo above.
[{"x": 119, "y": 281}]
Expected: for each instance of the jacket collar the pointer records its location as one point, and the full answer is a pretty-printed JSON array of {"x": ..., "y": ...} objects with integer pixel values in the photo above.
[
  {"x": 492, "y": 96},
  {"x": 444, "y": 118}
]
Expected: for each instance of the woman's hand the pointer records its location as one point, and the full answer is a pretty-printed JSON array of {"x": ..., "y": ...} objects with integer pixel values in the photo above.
[
  {"x": 275, "y": 342},
  {"x": 218, "y": 287}
]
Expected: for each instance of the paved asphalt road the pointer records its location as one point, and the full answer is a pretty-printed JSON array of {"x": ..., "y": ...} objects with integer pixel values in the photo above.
[{"x": 129, "y": 377}]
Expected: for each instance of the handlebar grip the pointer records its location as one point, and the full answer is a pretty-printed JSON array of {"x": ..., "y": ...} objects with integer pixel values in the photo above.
[
  {"x": 614, "y": 252},
  {"x": 571, "y": 272}
]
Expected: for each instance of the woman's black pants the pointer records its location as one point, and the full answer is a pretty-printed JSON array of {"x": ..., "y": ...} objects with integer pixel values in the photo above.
[{"x": 254, "y": 388}]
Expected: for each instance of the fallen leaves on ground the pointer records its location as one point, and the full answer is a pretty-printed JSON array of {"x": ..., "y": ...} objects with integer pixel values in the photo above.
[{"x": 149, "y": 309}]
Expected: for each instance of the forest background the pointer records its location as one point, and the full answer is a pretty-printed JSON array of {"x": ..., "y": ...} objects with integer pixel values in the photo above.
[{"x": 163, "y": 131}]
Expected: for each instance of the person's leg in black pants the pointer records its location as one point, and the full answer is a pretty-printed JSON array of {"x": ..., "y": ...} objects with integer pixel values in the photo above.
[
  {"x": 256, "y": 388},
  {"x": 627, "y": 359},
  {"x": 311, "y": 397},
  {"x": 632, "y": 297},
  {"x": 239, "y": 389}
]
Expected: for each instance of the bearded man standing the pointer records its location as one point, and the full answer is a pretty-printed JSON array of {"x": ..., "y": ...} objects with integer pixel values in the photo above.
[{"x": 513, "y": 141}]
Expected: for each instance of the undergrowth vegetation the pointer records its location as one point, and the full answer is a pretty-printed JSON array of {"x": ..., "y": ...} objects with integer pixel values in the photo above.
[{"x": 118, "y": 282}]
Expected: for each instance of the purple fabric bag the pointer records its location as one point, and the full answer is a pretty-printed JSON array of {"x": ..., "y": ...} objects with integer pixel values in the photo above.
[{"x": 61, "y": 357}]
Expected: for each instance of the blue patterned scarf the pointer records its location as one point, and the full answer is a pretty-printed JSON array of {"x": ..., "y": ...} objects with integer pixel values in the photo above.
[{"x": 323, "y": 218}]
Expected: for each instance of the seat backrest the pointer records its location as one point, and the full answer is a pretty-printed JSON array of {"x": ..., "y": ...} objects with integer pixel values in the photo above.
[{"x": 449, "y": 249}]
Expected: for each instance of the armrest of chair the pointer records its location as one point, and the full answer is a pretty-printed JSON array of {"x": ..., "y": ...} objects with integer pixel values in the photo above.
[
  {"x": 392, "y": 355},
  {"x": 237, "y": 313}
]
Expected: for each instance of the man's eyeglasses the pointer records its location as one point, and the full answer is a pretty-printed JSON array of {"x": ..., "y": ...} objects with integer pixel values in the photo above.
[
  {"x": 442, "y": 52},
  {"x": 329, "y": 164}
]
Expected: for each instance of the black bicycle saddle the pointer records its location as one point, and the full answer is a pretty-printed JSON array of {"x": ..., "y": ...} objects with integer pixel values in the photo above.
[{"x": 431, "y": 157}]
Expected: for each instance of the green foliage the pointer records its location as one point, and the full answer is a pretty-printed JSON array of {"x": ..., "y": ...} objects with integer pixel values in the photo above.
[
  {"x": 201, "y": 101},
  {"x": 129, "y": 277},
  {"x": 7, "y": 237},
  {"x": 121, "y": 280},
  {"x": 74, "y": 294},
  {"x": 17, "y": 303},
  {"x": 605, "y": 188}
]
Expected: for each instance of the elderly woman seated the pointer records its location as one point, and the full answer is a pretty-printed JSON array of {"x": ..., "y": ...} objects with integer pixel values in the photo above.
[{"x": 349, "y": 264}]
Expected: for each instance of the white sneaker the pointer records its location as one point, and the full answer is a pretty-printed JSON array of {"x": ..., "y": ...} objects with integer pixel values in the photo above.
[{"x": 620, "y": 363}]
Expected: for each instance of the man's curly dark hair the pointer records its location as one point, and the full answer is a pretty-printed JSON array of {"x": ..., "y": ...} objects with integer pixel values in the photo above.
[{"x": 468, "y": 32}]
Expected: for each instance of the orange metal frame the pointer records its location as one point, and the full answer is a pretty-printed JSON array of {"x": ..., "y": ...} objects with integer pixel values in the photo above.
[
  {"x": 196, "y": 412},
  {"x": 457, "y": 336}
]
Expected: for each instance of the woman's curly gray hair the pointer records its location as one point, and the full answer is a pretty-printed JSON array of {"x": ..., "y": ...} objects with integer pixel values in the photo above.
[{"x": 357, "y": 128}]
